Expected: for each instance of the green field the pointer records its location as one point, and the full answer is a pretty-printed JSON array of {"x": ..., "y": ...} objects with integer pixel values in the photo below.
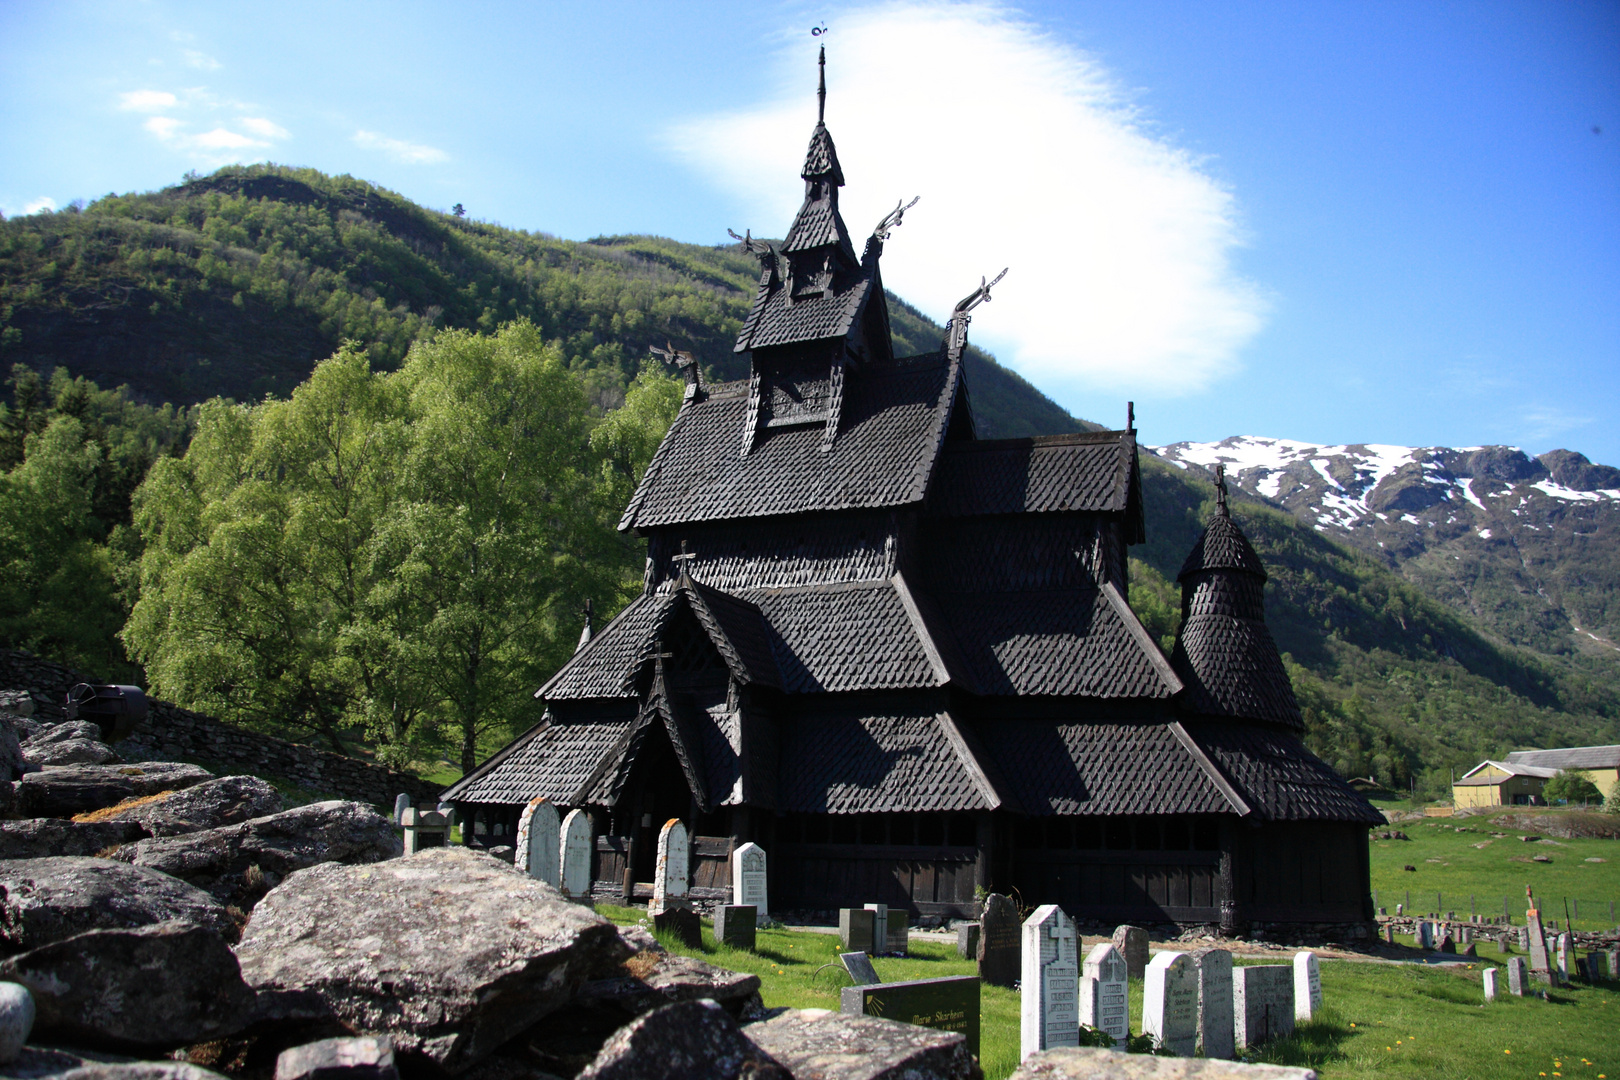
[
  {"x": 1476, "y": 857},
  {"x": 1379, "y": 1019}
]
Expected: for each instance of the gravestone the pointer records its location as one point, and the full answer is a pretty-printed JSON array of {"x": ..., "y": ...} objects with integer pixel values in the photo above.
[
  {"x": 734, "y": 925},
  {"x": 880, "y": 927},
  {"x": 1563, "y": 957},
  {"x": 860, "y": 968},
  {"x": 855, "y": 930},
  {"x": 748, "y": 878},
  {"x": 1517, "y": 976},
  {"x": 1262, "y": 1004},
  {"x": 967, "y": 941},
  {"x": 576, "y": 855},
  {"x": 1000, "y": 944},
  {"x": 424, "y": 829},
  {"x": 539, "y": 842},
  {"x": 950, "y": 1003},
  {"x": 1600, "y": 964},
  {"x": 1214, "y": 967},
  {"x": 1504, "y": 944},
  {"x": 1400, "y": 909},
  {"x": 1105, "y": 993},
  {"x": 1524, "y": 938},
  {"x": 898, "y": 933},
  {"x": 1049, "y": 982},
  {"x": 1445, "y": 944},
  {"x": 1307, "y": 985},
  {"x": 1389, "y": 934},
  {"x": 1540, "y": 965},
  {"x": 1614, "y": 963},
  {"x": 681, "y": 921},
  {"x": 402, "y": 802},
  {"x": 674, "y": 867},
  {"x": 1170, "y": 1003},
  {"x": 1490, "y": 984},
  {"x": 1132, "y": 943}
]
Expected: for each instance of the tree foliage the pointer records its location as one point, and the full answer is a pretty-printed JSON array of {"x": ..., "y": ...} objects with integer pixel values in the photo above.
[{"x": 1572, "y": 788}]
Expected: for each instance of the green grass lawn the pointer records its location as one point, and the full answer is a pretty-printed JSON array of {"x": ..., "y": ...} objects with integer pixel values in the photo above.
[
  {"x": 1383, "y": 1020},
  {"x": 1459, "y": 858}
]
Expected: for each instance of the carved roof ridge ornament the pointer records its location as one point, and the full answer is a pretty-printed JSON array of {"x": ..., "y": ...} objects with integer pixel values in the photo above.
[
  {"x": 688, "y": 364},
  {"x": 821, "y": 89},
  {"x": 959, "y": 314},
  {"x": 1220, "y": 490},
  {"x": 893, "y": 218}
]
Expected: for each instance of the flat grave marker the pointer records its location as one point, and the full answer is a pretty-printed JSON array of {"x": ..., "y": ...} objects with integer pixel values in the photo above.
[
  {"x": 1215, "y": 1022},
  {"x": 1517, "y": 976},
  {"x": 860, "y": 968},
  {"x": 735, "y": 925},
  {"x": 1132, "y": 944},
  {"x": 539, "y": 849},
  {"x": 1307, "y": 985},
  {"x": 967, "y": 941},
  {"x": 749, "y": 880},
  {"x": 1049, "y": 982},
  {"x": 855, "y": 930},
  {"x": 1000, "y": 945},
  {"x": 1105, "y": 993},
  {"x": 576, "y": 854},
  {"x": 1170, "y": 1003},
  {"x": 950, "y": 1003}
]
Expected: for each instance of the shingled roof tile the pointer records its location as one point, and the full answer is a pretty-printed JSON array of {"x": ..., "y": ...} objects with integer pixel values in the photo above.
[
  {"x": 850, "y": 760},
  {"x": 555, "y": 759},
  {"x": 844, "y": 637},
  {"x": 1282, "y": 779},
  {"x": 1087, "y": 472}
]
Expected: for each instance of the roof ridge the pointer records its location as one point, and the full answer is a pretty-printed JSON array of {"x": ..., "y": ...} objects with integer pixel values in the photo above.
[
  {"x": 1222, "y": 784},
  {"x": 595, "y": 643},
  {"x": 957, "y": 737}
]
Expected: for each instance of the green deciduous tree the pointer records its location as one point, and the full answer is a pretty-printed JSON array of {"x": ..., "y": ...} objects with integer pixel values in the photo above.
[{"x": 1573, "y": 789}]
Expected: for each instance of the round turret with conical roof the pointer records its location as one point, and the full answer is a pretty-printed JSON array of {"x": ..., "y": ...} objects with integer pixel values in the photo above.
[{"x": 1224, "y": 652}]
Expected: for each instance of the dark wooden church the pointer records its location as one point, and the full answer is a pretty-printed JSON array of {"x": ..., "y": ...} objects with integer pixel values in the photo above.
[{"x": 900, "y": 657}]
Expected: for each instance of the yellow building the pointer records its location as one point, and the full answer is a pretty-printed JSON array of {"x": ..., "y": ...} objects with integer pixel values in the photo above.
[
  {"x": 1599, "y": 764},
  {"x": 1501, "y": 783}
]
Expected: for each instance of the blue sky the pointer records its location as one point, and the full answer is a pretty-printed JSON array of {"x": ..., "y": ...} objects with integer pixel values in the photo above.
[{"x": 1334, "y": 222}]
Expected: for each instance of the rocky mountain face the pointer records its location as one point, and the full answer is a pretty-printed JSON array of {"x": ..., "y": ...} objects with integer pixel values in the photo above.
[{"x": 1530, "y": 547}]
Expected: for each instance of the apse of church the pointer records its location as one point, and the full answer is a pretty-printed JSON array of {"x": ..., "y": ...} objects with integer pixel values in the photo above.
[{"x": 900, "y": 657}]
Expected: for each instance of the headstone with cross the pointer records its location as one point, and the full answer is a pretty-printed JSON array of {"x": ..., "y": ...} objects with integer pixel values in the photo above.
[
  {"x": 1105, "y": 993},
  {"x": 1049, "y": 986}
]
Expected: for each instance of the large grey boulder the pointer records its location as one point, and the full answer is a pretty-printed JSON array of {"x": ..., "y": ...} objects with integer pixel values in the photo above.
[
  {"x": 71, "y": 752},
  {"x": 449, "y": 951},
  {"x": 154, "y": 987},
  {"x": 653, "y": 979},
  {"x": 36, "y": 838},
  {"x": 694, "y": 1040},
  {"x": 209, "y": 805},
  {"x": 66, "y": 731},
  {"x": 363, "y": 1057},
  {"x": 17, "y": 1013},
  {"x": 43, "y": 901},
  {"x": 1091, "y": 1063},
  {"x": 67, "y": 790},
  {"x": 816, "y": 1043},
  {"x": 239, "y": 863},
  {"x": 38, "y": 1062},
  {"x": 13, "y": 730}
]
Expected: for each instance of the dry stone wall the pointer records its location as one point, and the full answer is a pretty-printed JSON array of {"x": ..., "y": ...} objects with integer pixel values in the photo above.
[{"x": 171, "y": 733}]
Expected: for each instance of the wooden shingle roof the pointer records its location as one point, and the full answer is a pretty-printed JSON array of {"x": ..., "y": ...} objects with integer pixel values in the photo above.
[
  {"x": 555, "y": 759},
  {"x": 1282, "y": 779},
  {"x": 858, "y": 758},
  {"x": 1086, "y": 472}
]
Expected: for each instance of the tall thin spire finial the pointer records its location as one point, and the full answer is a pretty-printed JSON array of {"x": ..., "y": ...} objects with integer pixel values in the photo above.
[
  {"x": 821, "y": 91},
  {"x": 1220, "y": 491}
]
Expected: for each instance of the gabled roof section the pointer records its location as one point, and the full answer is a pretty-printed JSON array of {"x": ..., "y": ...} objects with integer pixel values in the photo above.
[
  {"x": 855, "y": 636},
  {"x": 555, "y": 758},
  {"x": 890, "y": 431},
  {"x": 1574, "y": 757},
  {"x": 738, "y": 630},
  {"x": 603, "y": 667},
  {"x": 1090, "y": 472},
  {"x": 1279, "y": 777},
  {"x": 778, "y": 319},
  {"x": 850, "y": 759},
  {"x": 1474, "y": 777}
]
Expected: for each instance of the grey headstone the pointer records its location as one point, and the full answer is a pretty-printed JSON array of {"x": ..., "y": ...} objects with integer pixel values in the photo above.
[
  {"x": 860, "y": 968},
  {"x": 1215, "y": 1023},
  {"x": 683, "y": 922},
  {"x": 945, "y": 1004},
  {"x": 880, "y": 926},
  {"x": 424, "y": 829},
  {"x": 1307, "y": 985},
  {"x": 1049, "y": 983},
  {"x": 576, "y": 854},
  {"x": 538, "y": 847},
  {"x": 1490, "y": 984},
  {"x": 1170, "y": 1003},
  {"x": 674, "y": 869},
  {"x": 16, "y": 1020},
  {"x": 967, "y": 941},
  {"x": 749, "y": 880},
  {"x": 897, "y": 933},
  {"x": 1262, "y": 1003},
  {"x": 1000, "y": 947},
  {"x": 1517, "y": 976},
  {"x": 855, "y": 930},
  {"x": 1132, "y": 943},
  {"x": 735, "y": 925},
  {"x": 1563, "y": 956},
  {"x": 1105, "y": 993},
  {"x": 1540, "y": 962},
  {"x": 401, "y": 803}
]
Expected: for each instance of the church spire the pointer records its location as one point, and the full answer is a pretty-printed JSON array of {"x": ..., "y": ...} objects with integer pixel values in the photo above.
[{"x": 821, "y": 91}]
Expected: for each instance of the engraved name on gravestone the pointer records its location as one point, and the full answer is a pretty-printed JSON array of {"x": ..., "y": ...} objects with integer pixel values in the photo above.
[
  {"x": 539, "y": 848},
  {"x": 1104, "y": 993},
  {"x": 1516, "y": 976},
  {"x": 855, "y": 930},
  {"x": 1490, "y": 984},
  {"x": 1307, "y": 985},
  {"x": 1132, "y": 943},
  {"x": 1262, "y": 1003},
  {"x": 576, "y": 854},
  {"x": 880, "y": 927},
  {"x": 947, "y": 1004},
  {"x": 1049, "y": 982},
  {"x": 674, "y": 867},
  {"x": 1000, "y": 945},
  {"x": 734, "y": 925},
  {"x": 1214, "y": 968},
  {"x": 1170, "y": 1003},
  {"x": 748, "y": 878}
]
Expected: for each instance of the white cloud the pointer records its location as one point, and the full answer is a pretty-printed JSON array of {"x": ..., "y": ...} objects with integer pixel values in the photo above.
[
  {"x": 1027, "y": 155},
  {"x": 201, "y": 60},
  {"x": 32, "y": 206},
  {"x": 407, "y": 153},
  {"x": 222, "y": 139},
  {"x": 263, "y": 128},
  {"x": 147, "y": 101},
  {"x": 220, "y": 144}
]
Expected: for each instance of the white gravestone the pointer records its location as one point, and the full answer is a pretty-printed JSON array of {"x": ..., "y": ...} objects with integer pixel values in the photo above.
[
  {"x": 1563, "y": 959},
  {"x": 1214, "y": 1002},
  {"x": 1262, "y": 1004},
  {"x": 1307, "y": 985},
  {"x": 575, "y": 841},
  {"x": 1104, "y": 989},
  {"x": 538, "y": 848},
  {"x": 402, "y": 802},
  {"x": 748, "y": 881},
  {"x": 880, "y": 927},
  {"x": 674, "y": 867},
  {"x": 1170, "y": 1002},
  {"x": 1490, "y": 984},
  {"x": 1049, "y": 982}
]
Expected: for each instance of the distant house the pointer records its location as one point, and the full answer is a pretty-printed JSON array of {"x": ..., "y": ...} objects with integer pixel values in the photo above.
[
  {"x": 1502, "y": 783},
  {"x": 1599, "y": 764}
]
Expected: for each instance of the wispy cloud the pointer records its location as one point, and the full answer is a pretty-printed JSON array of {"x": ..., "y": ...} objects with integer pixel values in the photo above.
[
  {"x": 263, "y": 128},
  {"x": 147, "y": 101},
  {"x": 1027, "y": 154},
  {"x": 407, "y": 153},
  {"x": 200, "y": 60},
  {"x": 224, "y": 141},
  {"x": 1548, "y": 422},
  {"x": 32, "y": 206}
]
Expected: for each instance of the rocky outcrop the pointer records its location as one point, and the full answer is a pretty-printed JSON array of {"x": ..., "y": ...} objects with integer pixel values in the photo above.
[
  {"x": 73, "y": 742},
  {"x": 78, "y": 789},
  {"x": 653, "y": 979},
  {"x": 448, "y": 952},
  {"x": 150, "y": 988},
  {"x": 819, "y": 1043},
  {"x": 239, "y": 863},
  {"x": 365, "y": 1057},
  {"x": 37, "y": 838},
  {"x": 695, "y": 1040},
  {"x": 43, "y": 901},
  {"x": 210, "y": 805}
]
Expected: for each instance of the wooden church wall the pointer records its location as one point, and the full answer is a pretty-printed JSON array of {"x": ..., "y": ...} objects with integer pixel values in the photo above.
[
  {"x": 1159, "y": 869},
  {"x": 1303, "y": 872}
]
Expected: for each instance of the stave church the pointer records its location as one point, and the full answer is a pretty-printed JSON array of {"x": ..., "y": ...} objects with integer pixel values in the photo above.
[{"x": 901, "y": 657}]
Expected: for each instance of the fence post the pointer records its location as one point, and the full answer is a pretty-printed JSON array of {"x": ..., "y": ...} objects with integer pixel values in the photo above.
[{"x": 1472, "y": 910}]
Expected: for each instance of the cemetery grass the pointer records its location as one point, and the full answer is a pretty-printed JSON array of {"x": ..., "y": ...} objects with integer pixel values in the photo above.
[
  {"x": 1369, "y": 1006},
  {"x": 1474, "y": 857}
]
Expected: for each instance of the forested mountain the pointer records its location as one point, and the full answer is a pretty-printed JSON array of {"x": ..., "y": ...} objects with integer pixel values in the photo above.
[{"x": 238, "y": 283}]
